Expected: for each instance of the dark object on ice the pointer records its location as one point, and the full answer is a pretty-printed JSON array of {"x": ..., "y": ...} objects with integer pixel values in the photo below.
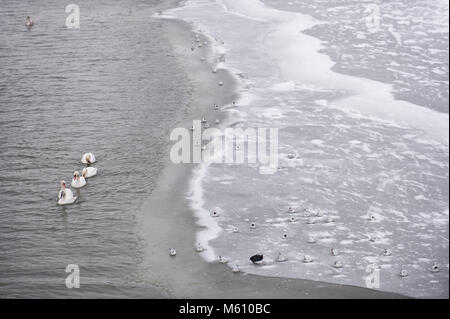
[{"x": 256, "y": 258}]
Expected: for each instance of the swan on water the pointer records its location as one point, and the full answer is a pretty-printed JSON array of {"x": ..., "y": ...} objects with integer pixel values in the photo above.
[
  {"x": 220, "y": 83},
  {"x": 216, "y": 106},
  {"x": 203, "y": 119},
  {"x": 89, "y": 172},
  {"x": 217, "y": 121},
  {"x": 235, "y": 269},
  {"x": 88, "y": 158},
  {"x": 77, "y": 180},
  {"x": 65, "y": 195},
  {"x": 234, "y": 229},
  {"x": 214, "y": 70},
  {"x": 291, "y": 210},
  {"x": 372, "y": 218},
  {"x": 403, "y": 273},
  {"x": 172, "y": 252},
  {"x": 199, "y": 248},
  {"x": 292, "y": 219},
  {"x": 206, "y": 125},
  {"x": 337, "y": 264}
]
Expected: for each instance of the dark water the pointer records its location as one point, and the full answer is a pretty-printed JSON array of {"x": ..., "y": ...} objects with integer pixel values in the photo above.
[{"x": 111, "y": 87}]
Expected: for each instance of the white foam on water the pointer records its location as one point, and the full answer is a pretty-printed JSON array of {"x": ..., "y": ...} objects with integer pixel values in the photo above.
[{"x": 298, "y": 57}]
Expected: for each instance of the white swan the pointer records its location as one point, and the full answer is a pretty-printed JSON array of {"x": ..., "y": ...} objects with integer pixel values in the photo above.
[
  {"x": 372, "y": 218},
  {"x": 234, "y": 229},
  {"x": 172, "y": 252},
  {"x": 220, "y": 83},
  {"x": 337, "y": 264},
  {"x": 307, "y": 259},
  {"x": 88, "y": 158},
  {"x": 291, "y": 210},
  {"x": 214, "y": 70},
  {"x": 235, "y": 269},
  {"x": 203, "y": 119},
  {"x": 403, "y": 273},
  {"x": 78, "y": 181},
  {"x": 217, "y": 121},
  {"x": 206, "y": 125},
  {"x": 65, "y": 195},
  {"x": 89, "y": 172},
  {"x": 216, "y": 106},
  {"x": 292, "y": 219}
]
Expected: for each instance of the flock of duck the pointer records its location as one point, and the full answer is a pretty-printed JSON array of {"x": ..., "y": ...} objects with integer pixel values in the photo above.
[{"x": 65, "y": 195}]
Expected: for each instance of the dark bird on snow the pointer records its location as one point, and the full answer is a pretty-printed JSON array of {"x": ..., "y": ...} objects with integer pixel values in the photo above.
[{"x": 256, "y": 258}]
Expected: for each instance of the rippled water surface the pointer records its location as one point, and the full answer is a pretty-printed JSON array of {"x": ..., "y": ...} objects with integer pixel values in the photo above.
[{"x": 107, "y": 88}]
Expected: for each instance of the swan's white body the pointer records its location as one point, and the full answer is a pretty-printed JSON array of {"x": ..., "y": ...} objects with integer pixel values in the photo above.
[
  {"x": 223, "y": 260},
  {"x": 199, "y": 248},
  {"x": 337, "y": 264},
  {"x": 403, "y": 273},
  {"x": 334, "y": 252},
  {"x": 78, "y": 181},
  {"x": 235, "y": 269},
  {"x": 172, "y": 252},
  {"x": 89, "y": 172},
  {"x": 88, "y": 158},
  {"x": 65, "y": 195}
]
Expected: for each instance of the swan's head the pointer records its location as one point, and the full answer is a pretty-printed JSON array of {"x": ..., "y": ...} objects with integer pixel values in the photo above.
[
  {"x": 76, "y": 175},
  {"x": 88, "y": 157},
  {"x": 84, "y": 172},
  {"x": 63, "y": 184}
]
